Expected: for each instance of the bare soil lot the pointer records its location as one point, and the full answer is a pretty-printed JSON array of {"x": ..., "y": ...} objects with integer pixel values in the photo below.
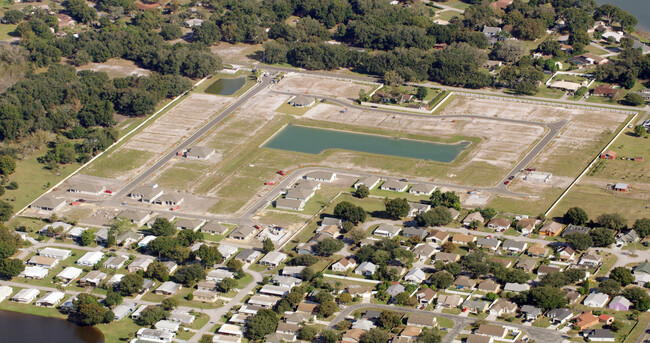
[
  {"x": 116, "y": 67},
  {"x": 321, "y": 86},
  {"x": 236, "y": 52},
  {"x": 573, "y": 147}
]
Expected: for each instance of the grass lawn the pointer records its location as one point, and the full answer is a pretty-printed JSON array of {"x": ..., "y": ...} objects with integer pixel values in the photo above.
[
  {"x": 5, "y": 30},
  {"x": 542, "y": 322},
  {"x": 119, "y": 331},
  {"x": 526, "y": 206},
  {"x": 444, "y": 322},
  {"x": 182, "y": 300},
  {"x": 115, "y": 164},
  {"x": 595, "y": 50},
  {"x": 293, "y": 110},
  {"x": 457, "y": 4},
  {"x": 178, "y": 177},
  {"x": 447, "y": 15},
  {"x": 608, "y": 263},
  {"x": 33, "y": 179},
  {"x": 550, "y": 92},
  {"x": 596, "y": 201},
  {"x": 454, "y": 311},
  {"x": 639, "y": 329},
  {"x": 619, "y": 170}
]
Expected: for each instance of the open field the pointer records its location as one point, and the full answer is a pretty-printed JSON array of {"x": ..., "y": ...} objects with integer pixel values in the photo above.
[
  {"x": 322, "y": 86},
  {"x": 597, "y": 200},
  {"x": 236, "y": 52},
  {"x": 619, "y": 170}
]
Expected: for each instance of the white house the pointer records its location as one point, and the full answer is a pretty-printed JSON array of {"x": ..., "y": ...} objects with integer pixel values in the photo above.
[
  {"x": 415, "y": 275},
  {"x": 50, "y": 299},
  {"x": 366, "y": 269},
  {"x": 596, "y": 299},
  {"x": 25, "y": 296},
  {"x": 387, "y": 230},
  {"x": 273, "y": 259},
  {"x": 90, "y": 258},
  {"x": 344, "y": 264}
]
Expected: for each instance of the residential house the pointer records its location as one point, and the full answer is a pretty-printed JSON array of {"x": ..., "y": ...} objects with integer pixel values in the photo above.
[
  {"x": 169, "y": 199},
  {"x": 530, "y": 312},
  {"x": 437, "y": 237},
  {"x": 206, "y": 296},
  {"x": 299, "y": 194},
  {"x": 394, "y": 290},
  {"x": 412, "y": 231},
  {"x": 116, "y": 262},
  {"x": 124, "y": 309},
  {"x": 551, "y": 229},
  {"x": 213, "y": 227},
  {"x": 279, "y": 291},
  {"x": 140, "y": 263},
  {"x": 90, "y": 258},
  {"x": 559, "y": 315},
  {"x": 499, "y": 224},
  {"x": 502, "y": 307},
  {"x": 59, "y": 254},
  {"x": 599, "y": 335},
  {"x": 93, "y": 279},
  {"x": 577, "y": 229},
  {"x": 387, "y": 230},
  {"x": 423, "y": 251},
  {"x": 526, "y": 264},
  {"x": 642, "y": 273},
  {"x": 199, "y": 153},
  {"x": 172, "y": 266},
  {"x": 136, "y": 217},
  {"x": 50, "y": 230},
  {"x": 217, "y": 275},
  {"x": 344, "y": 264},
  {"x": 527, "y": 225},
  {"x": 43, "y": 262},
  {"x": 68, "y": 274},
  {"x": 422, "y": 189},
  {"x": 464, "y": 282},
  {"x": 242, "y": 233},
  {"x": 188, "y": 224},
  {"x": 421, "y": 320},
  {"x": 168, "y": 288},
  {"x": 273, "y": 259},
  {"x": 294, "y": 271},
  {"x": 331, "y": 230},
  {"x": 447, "y": 257},
  {"x": 590, "y": 260},
  {"x": 472, "y": 338},
  {"x": 415, "y": 275},
  {"x": 248, "y": 255},
  {"x": 585, "y": 320},
  {"x": 544, "y": 269},
  {"x": 321, "y": 176},
  {"x": 410, "y": 332},
  {"x": 48, "y": 203},
  {"x": 227, "y": 251},
  {"x": 537, "y": 250},
  {"x": 167, "y": 325},
  {"x": 488, "y": 243},
  {"x": 305, "y": 307},
  {"x": 25, "y": 295},
  {"x": 286, "y": 281},
  {"x": 488, "y": 285},
  {"x": 493, "y": 331},
  {"x": 628, "y": 237},
  {"x": 231, "y": 330},
  {"x": 566, "y": 253},
  {"x": 475, "y": 306},
  {"x": 474, "y": 216},
  {"x": 394, "y": 185},
  {"x": 505, "y": 262},
  {"x": 86, "y": 188},
  {"x": 449, "y": 301},
  {"x": 366, "y": 269},
  {"x": 514, "y": 247},
  {"x": 596, "y": 299},
  {"x": 416, "y": 208},
  {"x": 516, "y": 287},
  {"x": 144, "y": 242},
  {"x": 463, "y": 239},
  {"x": 50, "y": 299},
  {"x": 425, "y": 296},
  {"x": 151, "y": 335},
  {"x": 605, "y": 319},
  {"x": 128, "y": 237},
  {"x": 368, "y": 181},
  {"x": 146, "y": 194},
  {"x": 266, "y": 301},
  {"x": 352, "y": 336}
]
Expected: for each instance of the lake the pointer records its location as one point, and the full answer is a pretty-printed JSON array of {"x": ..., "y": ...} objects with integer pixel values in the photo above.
[
  {"x": 638, "y": 8},
  {"x": 18, "y": 327},
  {"x": 226, "y": 86},
  {"x": 315, "y": 141}
]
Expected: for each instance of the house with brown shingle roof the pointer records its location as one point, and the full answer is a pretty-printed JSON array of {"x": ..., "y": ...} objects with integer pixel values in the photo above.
[
  {"x": 551, "y": 229},
  {"x": 352, "y": 335},
  {"x": 438, "y": 237},
  {"x": 499, "y": 224},
  {"x": 489, "y": 285},
  {"x": 537, "y": 250},
  {"x": 460, "y": 238},
  {"x": 464, "y": 282},
  {"x": 494, "y": 331},
  {"x": 472, "y": 217},
  {"x": 585, "y": 320}
]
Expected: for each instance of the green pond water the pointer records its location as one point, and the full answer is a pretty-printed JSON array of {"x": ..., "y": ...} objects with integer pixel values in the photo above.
[
  {"x": 314, "y": 141},
  {"x": 226, "y": 86}
]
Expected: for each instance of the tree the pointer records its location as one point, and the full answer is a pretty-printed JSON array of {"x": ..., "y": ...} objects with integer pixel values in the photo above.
[
  {"x": 345, "y": 298},
  {"x": 6, "y": 210},
  {"x": 169, "y": 304},
  {"x": 623, "y": 275},
  {"x": 405, "y": 299},
  {"x": 616, "y": 326},
  {"x": 170, "y": 31},
  {"x": 362, "y": 191},
  {"x": 576, "y": 216},
  {"x": 11, "y": 267},
  {"x": 264, "y": 322},
  {"x": 448, "y": 199},
  {"x": 209, "y": 255},
  {"x": 268, "y": 246},
  {"x": 579, "y": 241},
  {"x": 162, "y": 227},
  {"x": 206, "y": 338},
  {"x": 610, "y": 287},
  {"x": 227, "y": 284},
  {"x": 437, "y": 216},
  {"x": 131, "y": 284},
  {"x": 304, "y": 260},
  {"x": 509, "y": 51},
  {"x": 391, "y": 77},
  {"x": 347, "y": 211},
  {"x": 13, "y": 16},
  {"x": 327, "y": 308},
  {"x": 328, "y": 246},
  {"x": 307, "y": 333},
  {"x": 357, "y": 235},
  {"x": 157, "y": 271},
  {"x": 151, "y": 315},
  {"x": 491, "y": 296},
  {"x": 613, "y": 221},
  {"x": 87, "y": 311},
  {"x": 640, "y": 131},
  {"x": 397, "y": 208},
  {"x": 190, "y": 275},
  {"x": 10, "y": 241},
  {"x": 7, "y": 165},
  {"x": 112, "y": 298},
  {"x": 80, "y": 11},
  {"x": 329, "y": 336},
  {"x": 87, "y": 238},
  {"x": 639, "y": 297},
  {"x": 307, "y": 274},
  {"x": 429, "y": 336},
  {"x": 421, "y": 93},
  {"x": 375, "y": 335},
  {"x": 441, "y": 280},
  {"x": 236, "y": 267},
  {"x": 488, "y": 213},
  {"x": 389, "y": 320},
  {"x": 546, "y": 298},
  {"x": 642, "y": 227},
  {"x": 208, "y": 33},
  {"x": 602, "y": 237},
  {"x": 448, "y": 247},
  {"x": 633, "y": 99}
]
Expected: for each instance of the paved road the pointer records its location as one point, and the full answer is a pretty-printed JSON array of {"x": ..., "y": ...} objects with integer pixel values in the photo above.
[
  {"x": 185, "y": 144},
  {"x": 534, "y": 333},
  {"x": 645, "y": 335},
  {"x": 445, "y": 7}
]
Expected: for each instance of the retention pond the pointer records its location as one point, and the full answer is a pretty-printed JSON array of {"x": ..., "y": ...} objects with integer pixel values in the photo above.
[
  {"x": 26, "y": 328},
  {"x": 315, "y": 141},
  {"x": 226, "y": 86}
]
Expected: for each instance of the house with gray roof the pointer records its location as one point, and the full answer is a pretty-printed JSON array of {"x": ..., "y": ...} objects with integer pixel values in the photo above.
[
  {"x": 302, "y": 101},
  {"x": 422, "y": 189},
  {"x": 300, "y": 194},
  {"x": 87, "y": 188},
  {"x": 242, "y": 232},
  {"x": 146, "y": 194},
  {"x": 412, "y": 231},
  {"x": 213, "y": 227},
  {"x": 387, "y": 230},
  {"x": 475, "y": 306},
  {"x": 488, "y": 243},
  {"x": 394, "y": 290},
  {"x": 48, "y": 203},
  {"x": 394, "y": 186},
  {"x": 368, "y": 181},
  {"x": 424, "y": 251},
  {"x": 322, "y": 176},
  {"x": 199, "y": 153},
  {"x": 189, "y": 224},
  {"x": 530, "y": 312},
  {"x": 416, "y": 208},
  {"x": 289, "y": 204},
  {"x": 248, "y": 255},
  {"x": 135, "y": 216},
  {"x": 516, "y": 287},
  {"x": 599, "y": 335},
  {"x": 514, "y": 247},
  {"x": 575, "y": 229},
  {"x": 169, "y": 199},
  {"x": 559, "y": 315},
  {"x": 124, "y": 309}
]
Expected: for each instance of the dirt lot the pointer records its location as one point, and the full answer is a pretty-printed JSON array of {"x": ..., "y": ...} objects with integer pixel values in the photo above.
[
  {"x": 321, "y": 86},
  {"x": 159, "y": 137},
  {"x": 236, "y": 52},
  {"x": 116, "y": 67},
  {"x": 573, "y": 147}
]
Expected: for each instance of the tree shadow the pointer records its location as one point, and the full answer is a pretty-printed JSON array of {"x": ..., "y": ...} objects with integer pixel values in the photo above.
[
  {"x": 257, "y": 56},
  {"x": 381, "y": 214}
]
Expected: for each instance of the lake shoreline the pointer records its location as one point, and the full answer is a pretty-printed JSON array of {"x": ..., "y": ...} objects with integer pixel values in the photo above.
[{"x": 13, "y": 324}]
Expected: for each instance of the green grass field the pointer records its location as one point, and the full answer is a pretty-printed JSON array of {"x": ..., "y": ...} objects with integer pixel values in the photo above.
[
  {"x": 6, "y": 30},
  {"x": 597, "y": 200},
  {"x": 293, "y": 110},
  {"x": 617, "y": 170},
  {"x": 115, "y": 164}
]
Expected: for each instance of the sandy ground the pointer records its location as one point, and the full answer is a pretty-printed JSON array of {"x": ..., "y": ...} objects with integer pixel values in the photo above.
[
  {"x": 236, "y": 52},
  {"x": 503, "y": 145},
  {"x": 116, "y": 67},
  {"x": 321, "y": 86}
]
